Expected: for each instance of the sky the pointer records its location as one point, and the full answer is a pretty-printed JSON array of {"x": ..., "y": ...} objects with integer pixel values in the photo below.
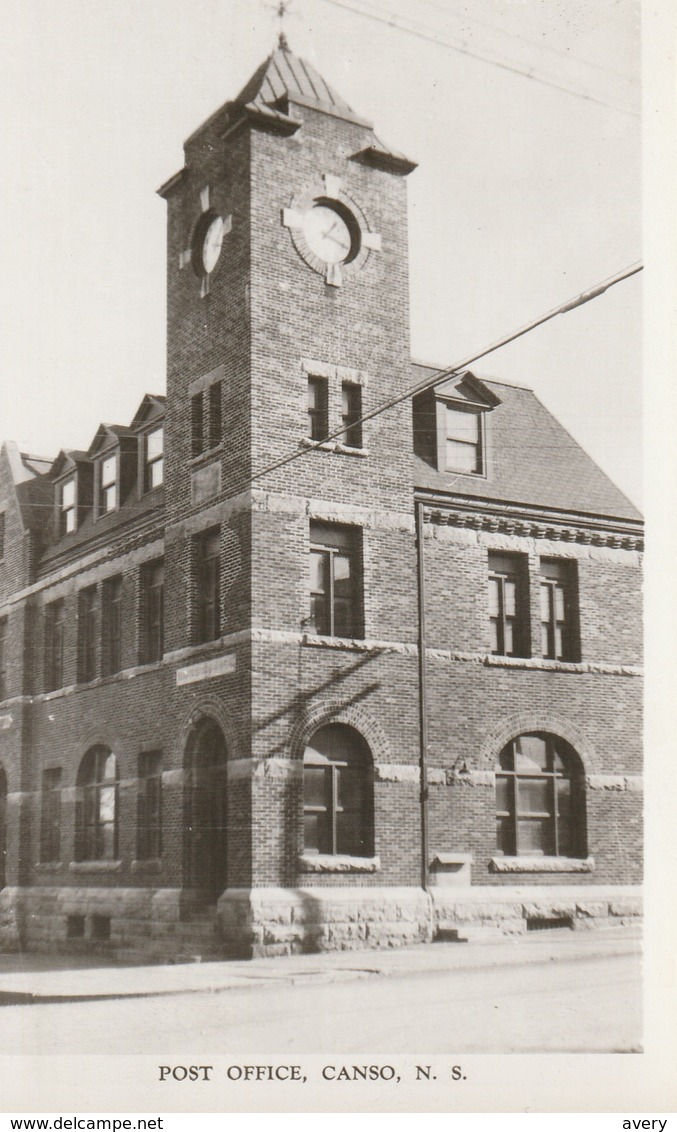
[{"x": 522, "y": 115}]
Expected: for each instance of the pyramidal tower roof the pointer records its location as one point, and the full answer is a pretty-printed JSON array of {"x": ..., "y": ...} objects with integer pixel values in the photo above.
[
  {"x": 270, "y": 100},
  {"x": 282, "y": 77}
]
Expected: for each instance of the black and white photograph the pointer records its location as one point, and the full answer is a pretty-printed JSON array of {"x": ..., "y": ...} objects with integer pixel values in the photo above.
[{"x": 321, "y": 545}]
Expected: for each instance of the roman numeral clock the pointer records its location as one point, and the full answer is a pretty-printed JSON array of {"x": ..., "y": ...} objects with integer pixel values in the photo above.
[{"x": 329, "y": 230}]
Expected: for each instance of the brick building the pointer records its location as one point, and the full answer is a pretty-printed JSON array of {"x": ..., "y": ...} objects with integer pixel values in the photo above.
[{"x": 216, "y": 734}]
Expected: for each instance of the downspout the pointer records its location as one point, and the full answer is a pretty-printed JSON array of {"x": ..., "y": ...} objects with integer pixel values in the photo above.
[{"x": 423, "y": 712}]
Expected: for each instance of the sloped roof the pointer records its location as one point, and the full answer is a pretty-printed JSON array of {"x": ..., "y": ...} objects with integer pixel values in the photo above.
[
  {"x": 532, "y": 460},
  {"x": 284, "y": 75}
]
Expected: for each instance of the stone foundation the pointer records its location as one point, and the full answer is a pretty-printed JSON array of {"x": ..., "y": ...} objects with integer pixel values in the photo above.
[
  {"x": 159, "y": 925},
  {"x": 278, "y": 921}
]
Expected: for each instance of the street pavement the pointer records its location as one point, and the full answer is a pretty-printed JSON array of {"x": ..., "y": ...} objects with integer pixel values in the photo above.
[{"x": 33, "y": 978}]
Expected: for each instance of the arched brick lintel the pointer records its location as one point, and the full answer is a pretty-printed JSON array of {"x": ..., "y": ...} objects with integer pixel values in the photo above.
[
  {"x": 208, "y": 709},
  {"x": 354, "y": 715},
  {"x": 521, "y": 724}
]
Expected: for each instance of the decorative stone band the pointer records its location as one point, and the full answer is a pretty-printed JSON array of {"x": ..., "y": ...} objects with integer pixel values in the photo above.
[
  {"x": 633, "y": 783},
  {"x": 328, "y": 863},
  {"x": 541, "y": 865},
  {"x": 526, "y": 526}
]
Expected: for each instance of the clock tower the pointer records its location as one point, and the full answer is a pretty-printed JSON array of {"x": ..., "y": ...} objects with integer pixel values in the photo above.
[{"x": 288, "y": 321}]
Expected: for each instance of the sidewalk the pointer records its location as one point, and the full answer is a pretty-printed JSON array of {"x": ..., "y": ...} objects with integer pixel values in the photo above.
[{"x": 31, "y": 978}]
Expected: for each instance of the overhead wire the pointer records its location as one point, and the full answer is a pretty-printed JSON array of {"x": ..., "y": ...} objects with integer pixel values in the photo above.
[
  {"x": 390, "y": 20},
  {"x": 441, "y": 375}
]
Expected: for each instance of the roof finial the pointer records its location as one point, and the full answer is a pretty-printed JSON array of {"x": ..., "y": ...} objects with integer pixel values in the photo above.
[{"x": 282, "y": 9}]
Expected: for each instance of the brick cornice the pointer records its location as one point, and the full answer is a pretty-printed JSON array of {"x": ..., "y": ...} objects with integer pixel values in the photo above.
[{"x": 480, "y": 515}]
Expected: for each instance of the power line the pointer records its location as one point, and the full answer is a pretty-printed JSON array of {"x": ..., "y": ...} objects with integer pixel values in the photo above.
[
  {"x": 524, "y": 39},
  {"x": 525, "y": 72},
  {"x": 443, "y": 375}
]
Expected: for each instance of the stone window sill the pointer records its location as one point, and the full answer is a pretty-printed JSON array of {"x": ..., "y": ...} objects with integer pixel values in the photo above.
[
  {"x": 330, "y": 863},
  {"x": 542, "y": 865},
  {"x": 95, "y": 866},
  {"x": 334, "y": 446},
  {"x": 48, "y": 866},
  {"x": 150, "y": 866},
  {"x": 206, "y": 455}
]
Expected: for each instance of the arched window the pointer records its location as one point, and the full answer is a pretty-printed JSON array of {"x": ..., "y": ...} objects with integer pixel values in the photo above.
[
  {"x": 338, "y": 806},
  {"x": 96, "y": 818},
  {"x": 540, "y": 808}
]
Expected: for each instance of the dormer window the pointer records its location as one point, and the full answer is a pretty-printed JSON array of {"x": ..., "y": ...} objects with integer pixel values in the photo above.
[
  {"x": 68, "y": 512},
  {"x": 463, "y": 443},
  {"x": 154, "y": 464},
  {"x": 451, "y": 425},
  {"x": 108, "y": 484}
]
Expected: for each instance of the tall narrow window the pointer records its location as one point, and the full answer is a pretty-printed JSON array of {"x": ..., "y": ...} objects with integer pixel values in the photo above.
[
  {"x": 96, "y": 814},
  {"x": 55, "y": 624},
  {"x": 318, "y": 419},
  {"x": 87, "y": 634},
  {"x": 335, "y": 581},
  {"x": 3, "y": 658},
  {"x": 351, "y": 411},
  {"x": 68, "y": 512},
  {"x": 2, "y": 534},
  {"x": 153, "y": 627},
  {"x": 149, "y": 827},
  {"x": 197, "y": 424},
  {"x": 108, "y": 484},
  {"x": 215, "y": 422},
  {"x": 463, "y": 440},
  {"x": 558, "y": 609},
  {"x": 50, "y": 817},
  {"x": 111, "y": 645},
  {"x": 539, "y": 798},
  {"x": 209, "y": 586},
  {"x": 508, "y": 611},
  {"x": 338, "y": 793},
  {"x": 154, "y": 464}
]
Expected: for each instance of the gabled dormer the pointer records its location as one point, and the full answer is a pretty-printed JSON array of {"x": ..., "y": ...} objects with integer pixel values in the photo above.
[
  {"x": 148, "y": 423},
  {"x": 71, "y": 474},
  {"x": 114, "y": 456},
  {"x": 451, "y": 425}
]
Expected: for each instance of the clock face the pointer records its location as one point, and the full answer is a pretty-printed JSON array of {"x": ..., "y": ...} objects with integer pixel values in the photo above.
[
  {"x": 328, "y": 234},
  {"x": 212, "y": 244}
]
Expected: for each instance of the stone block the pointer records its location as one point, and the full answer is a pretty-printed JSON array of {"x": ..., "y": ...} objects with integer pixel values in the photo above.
[
  {"x": 626, "y": 906},
  {"x": 592, "y": 908}
]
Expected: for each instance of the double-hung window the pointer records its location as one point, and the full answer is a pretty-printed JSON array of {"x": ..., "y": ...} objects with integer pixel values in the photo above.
[
  {"x": 68, "y": 512},
  {"x": 153, "y": 624},
  {"x": 463, "y": 447},
  {"x": 335, "y": 581},
  {"x": 558, "y": 609},
  {"x": 209, "y": 586},
  {"x": 50, "y": 817},
  {"x": 508, "y": 608},
  {"x": 108, "y": 484},
  {"x": 97, "y": 807},
  {"x": 206, "y": 418},
  {"x": 111, "y": 626},
  {"x": 149, "y": 824},
  {"x": 351, "y": 412},
  {"x": 55, "y": 624},
  {"x": 154, "y": 462},
  {"x": 318, "y": 410},
  {"x": 87, "y": 634}
]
